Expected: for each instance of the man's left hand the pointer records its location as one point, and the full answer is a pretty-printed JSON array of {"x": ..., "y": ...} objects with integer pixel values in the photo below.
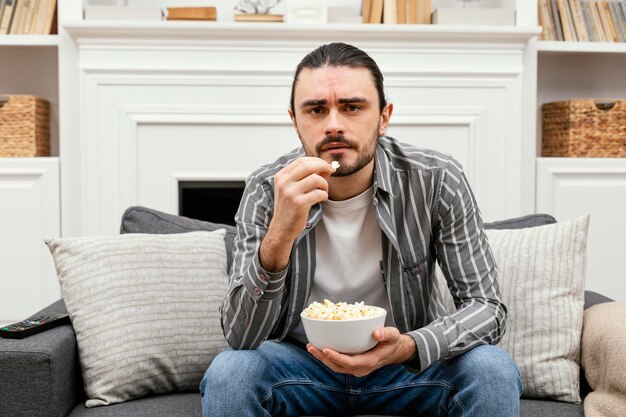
[{"x": 392, "y": 348}]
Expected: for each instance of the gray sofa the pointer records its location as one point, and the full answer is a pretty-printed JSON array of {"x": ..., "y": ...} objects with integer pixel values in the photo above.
[{"x": 40, "y": 375}]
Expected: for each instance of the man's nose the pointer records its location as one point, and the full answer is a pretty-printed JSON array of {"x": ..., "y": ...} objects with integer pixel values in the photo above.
[{"x": 334, "y": 123}]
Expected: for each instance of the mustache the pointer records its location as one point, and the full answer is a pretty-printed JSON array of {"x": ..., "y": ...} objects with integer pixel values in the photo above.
[{"x": 335, "y": 139}]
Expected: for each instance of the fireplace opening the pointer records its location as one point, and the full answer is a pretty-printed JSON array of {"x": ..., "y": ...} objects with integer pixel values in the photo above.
[{"x": 213, "y": 201}]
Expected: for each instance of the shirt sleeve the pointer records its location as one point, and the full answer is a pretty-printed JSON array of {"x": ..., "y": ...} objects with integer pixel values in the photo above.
[
  {"x": 252, "y": 303},
  {"x": 470, "y": 270}
]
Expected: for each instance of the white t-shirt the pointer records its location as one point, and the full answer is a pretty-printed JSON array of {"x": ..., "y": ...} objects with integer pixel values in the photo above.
[{"x": 348, "y": 252}]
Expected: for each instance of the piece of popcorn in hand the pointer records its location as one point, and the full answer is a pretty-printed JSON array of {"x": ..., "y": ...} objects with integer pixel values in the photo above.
[{"x": 334, "y": 165}]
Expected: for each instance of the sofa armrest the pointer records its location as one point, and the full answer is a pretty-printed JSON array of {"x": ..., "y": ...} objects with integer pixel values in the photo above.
[{"x": 40, "y": 374}]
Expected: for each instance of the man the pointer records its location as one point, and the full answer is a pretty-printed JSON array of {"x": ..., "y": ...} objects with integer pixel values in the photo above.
[{"x": 370, "y": 231}]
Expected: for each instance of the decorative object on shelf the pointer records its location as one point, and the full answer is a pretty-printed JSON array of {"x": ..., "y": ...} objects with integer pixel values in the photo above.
[
  {"x": 473, "y": 16},
  {"x": 28, "y": 17},
  {"x": 345, "y": 15},
  {"x": 256, "y": 11},
  {"x": 104, "y": 12},
  {"x": 584, "y": 128},
  {"x": 307, "y": 11},
  {"x": 582, "y": 20},
  {"x": 396, "y": 11},
  {"x": 191, "y": 13},
  {"x": 24, "y": 126}
]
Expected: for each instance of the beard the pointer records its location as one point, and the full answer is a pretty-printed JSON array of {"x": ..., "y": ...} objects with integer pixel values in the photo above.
[{"x": 366, "y": 152}]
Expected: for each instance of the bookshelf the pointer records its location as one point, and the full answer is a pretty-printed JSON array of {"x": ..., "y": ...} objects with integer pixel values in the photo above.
[
  {"x": 29, "y": 187},
  {"x": 558, "y": 47},
  {"x": 568, "y": 187}
]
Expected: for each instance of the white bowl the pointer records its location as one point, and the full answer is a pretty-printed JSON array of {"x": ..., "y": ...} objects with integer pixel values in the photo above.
[{"x": 345, "y": 336}]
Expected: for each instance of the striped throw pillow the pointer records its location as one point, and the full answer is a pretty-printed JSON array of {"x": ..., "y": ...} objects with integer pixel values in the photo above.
[
  {"x": 542, "y": 278},
  {"x": 144, "y": 309}
]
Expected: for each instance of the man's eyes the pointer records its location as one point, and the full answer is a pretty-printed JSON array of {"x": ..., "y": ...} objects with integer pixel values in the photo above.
[{"x": 351, "y": 108}]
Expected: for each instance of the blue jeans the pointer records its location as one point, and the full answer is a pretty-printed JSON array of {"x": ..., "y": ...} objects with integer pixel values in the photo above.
[{"x": 283, "y": 379}]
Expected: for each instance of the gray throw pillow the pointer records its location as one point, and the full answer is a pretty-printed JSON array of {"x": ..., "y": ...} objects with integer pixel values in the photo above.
[
  {"x": 145, "y": 309},
  {"x": 138, "y": 219}
]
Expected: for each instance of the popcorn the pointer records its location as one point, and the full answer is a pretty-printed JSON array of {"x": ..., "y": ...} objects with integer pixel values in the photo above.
[
  {"x": 334, "y": 165},
  {"x": 340, "y": 311}
]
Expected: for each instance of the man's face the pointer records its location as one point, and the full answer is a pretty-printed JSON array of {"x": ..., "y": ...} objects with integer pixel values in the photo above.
[{"x": 337, "y": 116}]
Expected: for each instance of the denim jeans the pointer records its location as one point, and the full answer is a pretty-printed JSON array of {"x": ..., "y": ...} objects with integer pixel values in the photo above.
[{"x": 283, "y": 379}]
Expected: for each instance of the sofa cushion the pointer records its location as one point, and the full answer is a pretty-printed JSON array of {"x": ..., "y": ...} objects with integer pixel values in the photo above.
[
  {"x": 144, "y": 309},
  {"x": 542, "y": 279},
  {"x": 138, "y": 219}
]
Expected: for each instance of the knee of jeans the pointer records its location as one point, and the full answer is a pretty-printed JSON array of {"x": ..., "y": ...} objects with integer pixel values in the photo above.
[
  {"x": 493, "y": 366},
  {"x": 232, "y": 370}
]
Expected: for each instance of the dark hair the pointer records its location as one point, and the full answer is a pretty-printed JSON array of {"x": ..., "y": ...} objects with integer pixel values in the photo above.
[{"x": 340, "y": 55}]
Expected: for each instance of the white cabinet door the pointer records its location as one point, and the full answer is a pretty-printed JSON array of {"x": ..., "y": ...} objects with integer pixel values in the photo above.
[
  {"x": 29, "y": 211},
  {"x": 570, "y": 187}
]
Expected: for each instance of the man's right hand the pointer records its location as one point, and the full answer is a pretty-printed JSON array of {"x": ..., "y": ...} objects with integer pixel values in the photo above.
[{"x": 297, "y": 187}]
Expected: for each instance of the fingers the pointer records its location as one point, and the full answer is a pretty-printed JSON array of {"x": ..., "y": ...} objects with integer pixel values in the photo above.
[
  {"x": 305, "y": 166},
  {"x": 357, "y": 365},
  {"x": 387, "y": 334}
]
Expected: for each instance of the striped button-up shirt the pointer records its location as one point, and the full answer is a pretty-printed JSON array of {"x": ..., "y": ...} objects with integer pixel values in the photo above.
[{"x": 427, "y": 214}]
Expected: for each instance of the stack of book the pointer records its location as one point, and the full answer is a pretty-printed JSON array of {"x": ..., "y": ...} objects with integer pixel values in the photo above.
[
  {"x": 27, "y": 17},
  {"x": 583, "y": 20},
  {"x": 396, "y": 11}
]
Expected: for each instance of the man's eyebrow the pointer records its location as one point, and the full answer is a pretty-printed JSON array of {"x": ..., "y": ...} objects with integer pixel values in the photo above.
[
  {"x": 349, "y": 100},
  {"x": 314, "y": 102},
  {"x": 322, "y": 101}
]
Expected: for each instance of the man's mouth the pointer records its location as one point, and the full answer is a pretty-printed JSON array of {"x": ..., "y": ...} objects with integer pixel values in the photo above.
[
  {"x": 330, "y": 143},
  {"x": 334, "y": 145}
]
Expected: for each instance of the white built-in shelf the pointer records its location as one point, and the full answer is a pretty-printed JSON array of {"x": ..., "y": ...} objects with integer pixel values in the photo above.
[
  {"x": 29, "y": 40},
  {"x": 279, "y": 31},
  {"x": 581, "y": 47}
]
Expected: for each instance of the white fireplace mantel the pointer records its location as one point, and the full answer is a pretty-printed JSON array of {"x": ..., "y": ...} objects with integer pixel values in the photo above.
[{"x": 160, "y": 101}]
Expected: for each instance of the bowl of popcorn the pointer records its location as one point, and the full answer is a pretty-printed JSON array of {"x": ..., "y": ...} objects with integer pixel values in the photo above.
[{"x": 346, "y": 328}]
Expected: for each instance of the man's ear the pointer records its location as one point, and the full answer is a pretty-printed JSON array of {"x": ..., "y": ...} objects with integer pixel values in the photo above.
[
  {"x": 293, "y": 118},
  {"x": 385, "y": 115}
]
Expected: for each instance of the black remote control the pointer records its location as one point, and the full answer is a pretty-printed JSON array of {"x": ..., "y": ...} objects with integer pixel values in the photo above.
[{"x": 33, "y": 325}]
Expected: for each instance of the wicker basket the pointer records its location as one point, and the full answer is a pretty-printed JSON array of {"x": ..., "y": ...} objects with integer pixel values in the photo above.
[
  {"x": 584, "y": 128},
  {"x": 24, "y": 126}
]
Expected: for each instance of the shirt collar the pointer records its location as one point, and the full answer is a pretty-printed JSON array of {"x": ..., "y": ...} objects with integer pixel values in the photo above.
[{"x": 383, "y": 170}]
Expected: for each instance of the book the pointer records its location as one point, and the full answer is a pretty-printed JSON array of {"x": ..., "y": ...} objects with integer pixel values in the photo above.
[
  {"x": 376, "y": 12},
  {"x": 191, "y": 13},
  {"x": 598, "y": 29},
  {"x": 366, "y": 10},
  {"x": 401, "y": 6},
  {"x": 29, "y": 20},
  {"x": 614, "y": 9},
  {"x": 21, "y": 7},
  {"x": 587, "y": 19},
  {"x": 390, "y": 12},
  {"x": 545, "y": 21},
  {"x": 621, "y": 10},
  {"x": 609, "y": 20},
  {"x": 423, "y": 12},
  {"x": 8, "y": 12},
  {"x": 258, "y": 17},
  {"x": 411, "y": 12},
  {"x": 569, "y": 33},
  {"x": 46, "y": 16},
  {"x": 557, "y": 20},
  {"x": 579, "y": 21},
  {"x": 604, "y": 21}
]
